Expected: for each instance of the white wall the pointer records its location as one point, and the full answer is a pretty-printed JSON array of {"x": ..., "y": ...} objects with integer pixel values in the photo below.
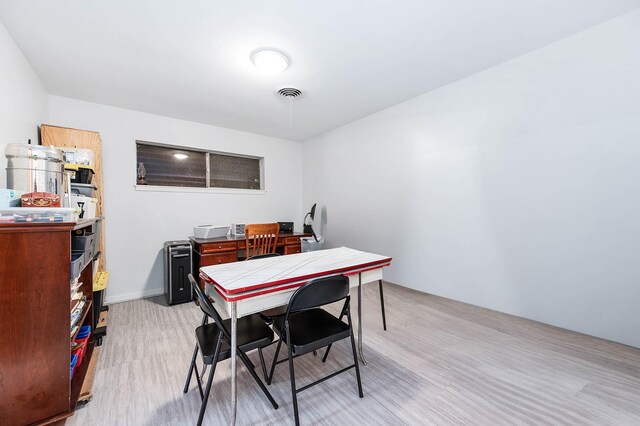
[
  {"x": 137, "y": 222},
  {"x": 516, "y": 189},
  {"x": 23, "y": 99}
]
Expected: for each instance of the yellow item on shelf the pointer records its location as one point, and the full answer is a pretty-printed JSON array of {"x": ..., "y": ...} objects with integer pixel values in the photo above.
[
  {"x": 76, "y": 167},
  {"x": 100, "y": 281}
]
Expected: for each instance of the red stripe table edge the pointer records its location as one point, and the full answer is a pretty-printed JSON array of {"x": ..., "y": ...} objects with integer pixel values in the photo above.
[{"x": 289, "y": 283}]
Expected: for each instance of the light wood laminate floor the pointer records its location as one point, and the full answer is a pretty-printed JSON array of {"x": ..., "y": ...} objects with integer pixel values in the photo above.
[{"x": 440, "y": 362}]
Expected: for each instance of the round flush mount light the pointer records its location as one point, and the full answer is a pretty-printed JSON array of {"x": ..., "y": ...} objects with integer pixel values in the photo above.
[
  {"x": 180, "y": 156},
  {"x": 269, "y": 60}
]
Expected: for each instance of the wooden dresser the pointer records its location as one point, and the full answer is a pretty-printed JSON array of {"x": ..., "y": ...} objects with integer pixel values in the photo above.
[{"x": 35, "y": 305}]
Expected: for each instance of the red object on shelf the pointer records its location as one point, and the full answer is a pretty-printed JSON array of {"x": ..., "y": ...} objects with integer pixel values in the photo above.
[
  {"x": 40, "y": 199},
  {"x": 82, "y": 349}
]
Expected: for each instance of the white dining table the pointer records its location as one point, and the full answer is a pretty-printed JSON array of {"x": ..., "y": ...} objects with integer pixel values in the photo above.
[{"x": 245, "y": 288}]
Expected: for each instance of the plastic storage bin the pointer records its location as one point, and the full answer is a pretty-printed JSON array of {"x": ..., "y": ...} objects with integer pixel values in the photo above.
[
  {"x": 310, "y": 244},
  {"x": 72, "y": 366},
  {"x": 37, "y": 214},
  {"x": 85, "y": 189},
  {"x": 81, "y": 173},
  {"x": 85, "y": 331},
  {"x": 82, "y": 339},
  {"x": 86, "y": 206},
  {"x": 77, "y": 263},
  {"x": 10, "y": 198},
  {"x": 83, "y": 242}
]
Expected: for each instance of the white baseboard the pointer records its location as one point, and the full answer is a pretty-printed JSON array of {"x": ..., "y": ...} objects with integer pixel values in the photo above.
[{"x": 118, "y": 298}]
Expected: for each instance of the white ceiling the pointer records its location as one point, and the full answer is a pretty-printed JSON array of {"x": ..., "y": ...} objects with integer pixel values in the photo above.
[{"x": 190, "y": 59}]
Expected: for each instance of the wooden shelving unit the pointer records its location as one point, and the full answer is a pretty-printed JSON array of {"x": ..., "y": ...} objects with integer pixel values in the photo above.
[
  {"x": 35, "y": 301},
  {"x": 85, "y": 311}
]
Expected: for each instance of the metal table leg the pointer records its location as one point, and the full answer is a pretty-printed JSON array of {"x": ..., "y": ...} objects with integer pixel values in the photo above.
[
  {"x": 234, "y": 367},
  {"x": 364, "y": 361}
]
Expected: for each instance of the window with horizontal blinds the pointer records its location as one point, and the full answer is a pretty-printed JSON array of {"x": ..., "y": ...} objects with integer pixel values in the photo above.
[
  {"x": 228, "y": 171},
  {"x": 167, "y": 165}
]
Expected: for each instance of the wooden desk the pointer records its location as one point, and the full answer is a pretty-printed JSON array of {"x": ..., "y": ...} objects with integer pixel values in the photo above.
[
  {"x": 216, "y": 251},
  {"x": 247, "y": 287}
]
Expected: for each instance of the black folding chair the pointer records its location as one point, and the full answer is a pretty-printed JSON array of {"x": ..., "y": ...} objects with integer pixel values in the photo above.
[
  {"x": 306, "y": 327},
  {"x": 214, "y": 343}
]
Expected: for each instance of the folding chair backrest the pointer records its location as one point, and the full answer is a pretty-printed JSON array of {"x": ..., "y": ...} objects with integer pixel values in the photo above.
[
  {"x": 319, "y": 292},
  {"x": 207, "y": 306}
]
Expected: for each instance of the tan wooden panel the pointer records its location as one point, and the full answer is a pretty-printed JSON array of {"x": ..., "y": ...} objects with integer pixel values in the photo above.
[
  {"x": 83, "y": 139},
  {"x": 87, "y": 385}
]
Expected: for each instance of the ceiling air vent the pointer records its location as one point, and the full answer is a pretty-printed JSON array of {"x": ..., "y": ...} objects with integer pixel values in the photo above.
[{"x": 290, "y": 93}]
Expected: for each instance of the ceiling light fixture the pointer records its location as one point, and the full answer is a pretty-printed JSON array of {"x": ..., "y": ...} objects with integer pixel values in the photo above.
[
  {"x": 269, "y": 60},
  {"x": 180, "y": 156}
]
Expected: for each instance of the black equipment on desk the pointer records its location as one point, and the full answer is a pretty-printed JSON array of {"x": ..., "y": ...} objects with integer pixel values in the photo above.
[
  {"x": 286, "y": 227},
  {"x": 177, "y": 266}
]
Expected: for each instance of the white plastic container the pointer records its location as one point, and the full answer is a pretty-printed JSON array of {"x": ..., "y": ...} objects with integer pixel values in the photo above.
[
  {"x": 37, "y": 214},
  {"x": 77, "y": 156},
  {"x": 86, "y": 206},
  {"x": 310, "y": 244},
  {"x": 10, "y": 198},
  {"x": 210, "y": 231}
]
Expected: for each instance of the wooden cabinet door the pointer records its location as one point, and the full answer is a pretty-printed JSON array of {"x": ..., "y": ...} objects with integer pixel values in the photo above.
[{"x": 34, "y": 314}]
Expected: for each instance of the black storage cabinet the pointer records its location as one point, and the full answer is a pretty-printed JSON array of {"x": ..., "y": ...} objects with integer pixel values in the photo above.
[{"x": 177, "y": 265}]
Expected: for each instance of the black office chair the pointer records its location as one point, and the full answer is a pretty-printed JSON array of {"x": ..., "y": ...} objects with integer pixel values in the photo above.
[
  {"x": 306, "y": 327},
  {"x": 214, "y": 342}
]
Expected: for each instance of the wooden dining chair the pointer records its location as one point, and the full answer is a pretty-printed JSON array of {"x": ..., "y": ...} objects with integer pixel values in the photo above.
[{"x": 261, "y": 238}]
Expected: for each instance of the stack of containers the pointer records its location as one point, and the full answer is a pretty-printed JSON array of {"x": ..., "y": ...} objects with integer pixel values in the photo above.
[
  {"x": 80, "y": 344},
  {"x": 79, "y": 167},
  {"x": 34, "y": 185},
  {"x": 84, "y": 245}
]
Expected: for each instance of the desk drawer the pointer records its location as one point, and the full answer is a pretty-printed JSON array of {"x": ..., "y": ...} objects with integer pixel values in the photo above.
[
  {"x": 292, "y": 240},
  {"x": 217, "y": 259},
  {"x": 292, "y": 248},
  {"x": 218, "y": 246}
]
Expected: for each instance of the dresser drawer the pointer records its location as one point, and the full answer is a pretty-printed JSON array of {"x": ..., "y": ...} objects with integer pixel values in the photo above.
[
  {"x": 217, "y": 259},
  {"x": 292, "y": 248},
  {"x": 218, "y": 246}
]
